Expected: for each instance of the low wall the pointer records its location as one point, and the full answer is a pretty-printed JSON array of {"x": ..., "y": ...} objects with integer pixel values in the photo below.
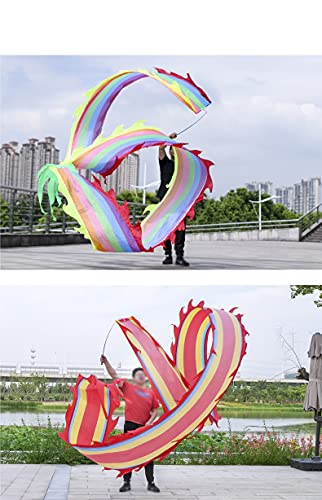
[
  {"x": 287, "y": 234},
  {"x": 30, "y": 240}
]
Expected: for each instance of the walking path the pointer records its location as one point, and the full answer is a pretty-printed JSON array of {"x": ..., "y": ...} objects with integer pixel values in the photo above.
[
  {"x": 200, "y": 254},
  {"x": 89, "y": 482}
]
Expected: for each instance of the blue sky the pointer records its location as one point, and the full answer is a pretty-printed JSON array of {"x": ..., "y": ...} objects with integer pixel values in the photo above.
[
  {"x": 68, "y": 324},
  {"x": 265, "y": 121}
]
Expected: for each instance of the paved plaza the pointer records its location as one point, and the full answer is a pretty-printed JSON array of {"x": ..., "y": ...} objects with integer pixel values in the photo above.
[
  {"x": 201, "y": 255},
  {"x": 89, "y": 482}
]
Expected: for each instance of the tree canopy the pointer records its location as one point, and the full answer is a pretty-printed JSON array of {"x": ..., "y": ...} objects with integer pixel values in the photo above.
[
  {"x": 236, "y": 206},
  {"x": 298, "y": 290}
]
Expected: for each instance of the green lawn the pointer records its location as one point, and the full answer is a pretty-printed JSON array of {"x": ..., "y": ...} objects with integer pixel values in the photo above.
[{"x": 262, "y": 410}]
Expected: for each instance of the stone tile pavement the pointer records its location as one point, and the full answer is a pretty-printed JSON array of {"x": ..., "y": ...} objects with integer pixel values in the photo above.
[
  {"x": 201, "y": 255},
  {"x": 50, "y": 482}
]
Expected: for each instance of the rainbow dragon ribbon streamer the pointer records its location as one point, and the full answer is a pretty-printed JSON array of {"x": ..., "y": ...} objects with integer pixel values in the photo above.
[
  {"x": 101, "y": 219},
  {"x": 206, "y": 353}
]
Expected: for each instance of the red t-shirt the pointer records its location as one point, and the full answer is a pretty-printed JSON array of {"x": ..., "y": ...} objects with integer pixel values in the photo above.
[{"x": 139, "y": 402}]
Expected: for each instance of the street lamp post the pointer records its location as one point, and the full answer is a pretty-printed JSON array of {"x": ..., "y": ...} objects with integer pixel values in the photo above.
[
  {"x": 260, "y": 202},
  {"x": 145, "y": 186}
]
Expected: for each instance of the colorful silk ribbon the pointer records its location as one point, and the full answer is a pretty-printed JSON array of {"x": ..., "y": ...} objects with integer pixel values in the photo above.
[
  {"x": 206, "y": 353},
  {"x": 101, "y": 219}
]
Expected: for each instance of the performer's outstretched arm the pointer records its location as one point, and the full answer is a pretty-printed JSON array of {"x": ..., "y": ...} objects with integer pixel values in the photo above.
[{"x": 110, "y": 370}]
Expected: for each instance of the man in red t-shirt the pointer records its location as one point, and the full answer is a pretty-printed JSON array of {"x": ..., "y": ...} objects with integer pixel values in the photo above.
[{"x": 141, "y": 408}]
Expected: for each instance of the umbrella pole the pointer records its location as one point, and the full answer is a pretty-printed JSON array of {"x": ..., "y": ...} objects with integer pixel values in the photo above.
[{"x": 318, "y": 419}]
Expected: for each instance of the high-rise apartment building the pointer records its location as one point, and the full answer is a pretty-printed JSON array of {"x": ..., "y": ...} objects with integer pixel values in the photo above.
[
  {"x": 285, "y": 195},
  {"x": 307, "y": 195},
  {"x": 9, "y": 164},
  {"x": 303, "y": 197},
  {"x": 20, "y": 168},
  {"x": 34, "y": 155},
  {"x": 125, "y": 176},
  {"x": 314, "y": 192},
  {"x": 266, "y": 186}
]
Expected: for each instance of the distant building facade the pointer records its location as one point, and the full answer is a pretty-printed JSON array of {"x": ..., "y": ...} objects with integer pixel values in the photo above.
[
  {"x": 285, "y": 195},
  {"x": 19, "y": 168},
  {"x": 300, "y": 198},
  {"x": 9, "y": 164},
  {"x": 124, "y": 178},
  {"x": 33, "y": 155},
  {"x": 314, "y": 194},
  {"x": 266, "y": 186},
  {"x": 306, "y": 194}
]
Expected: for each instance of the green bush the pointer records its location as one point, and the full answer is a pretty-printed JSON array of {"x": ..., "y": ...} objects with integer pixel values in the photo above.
[
  {"x": 23, "y": 444},
  {"x": 269, "y": 448},
  {"x": 37, "y": 445}
]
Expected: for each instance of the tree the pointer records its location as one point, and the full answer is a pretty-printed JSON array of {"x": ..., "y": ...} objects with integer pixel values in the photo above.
[
  {"x": 236, "y": 206},
  {"x": 4, "y": 212},
  {"x": 297, "y": 290}
]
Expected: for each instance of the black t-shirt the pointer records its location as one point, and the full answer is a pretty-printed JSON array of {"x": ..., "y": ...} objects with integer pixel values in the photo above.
[{"x": 166, "y": 173}]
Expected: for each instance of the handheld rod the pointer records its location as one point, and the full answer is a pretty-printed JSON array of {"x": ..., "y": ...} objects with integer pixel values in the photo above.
[
  {"x": 193, "y": 123},
  {"x": 107, "y": 336},
  {"x": 292, "y": 349}
]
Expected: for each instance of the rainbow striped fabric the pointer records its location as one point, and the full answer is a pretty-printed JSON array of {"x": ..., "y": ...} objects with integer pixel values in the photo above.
[
  {"x": 101, "y": 219},
  {"x": 90, "y": 116},
  {"x": 207, "y": 350}
]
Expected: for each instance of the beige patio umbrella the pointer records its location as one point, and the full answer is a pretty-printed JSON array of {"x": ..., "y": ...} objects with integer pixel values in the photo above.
[
  {"x": 313, "y": 395},
  {"x": 313, "y": 401}
]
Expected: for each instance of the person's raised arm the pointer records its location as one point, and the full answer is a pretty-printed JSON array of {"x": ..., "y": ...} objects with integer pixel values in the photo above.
[
  {"x": 110, "y": 370},
  {"x": 162, "y": 153}
]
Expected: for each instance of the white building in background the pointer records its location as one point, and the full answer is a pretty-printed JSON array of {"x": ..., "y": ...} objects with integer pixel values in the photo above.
[
  {"x": 301, "y": 197},
  {"x": 314, "y": 195},
  {"x": 125, "y": 176},
  {"x": 34, "y": 155},
  {"x": 285, "y": 195},
  {"x": 298, "y": 198},
  {"x": 307, "y": 194},
  {"x": 19, "y": 168},
  {"x": 267, "y": 186},
  {"x": 9, "y": 164}
]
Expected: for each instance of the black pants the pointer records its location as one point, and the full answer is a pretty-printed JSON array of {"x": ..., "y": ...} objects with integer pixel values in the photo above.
[
  {"x": 180, "y": 235},
  {"x": 131, "y": 426},
  {"x": 178, "y": 244}
]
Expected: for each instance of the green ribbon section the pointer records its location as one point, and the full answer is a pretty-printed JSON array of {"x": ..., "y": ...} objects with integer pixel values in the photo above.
[{"x": 47, "y": 175}]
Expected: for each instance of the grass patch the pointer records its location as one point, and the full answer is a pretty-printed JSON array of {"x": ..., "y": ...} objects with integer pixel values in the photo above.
[
  {"x": 36, "y": 407},
  {"x": 261, "y": 410}
]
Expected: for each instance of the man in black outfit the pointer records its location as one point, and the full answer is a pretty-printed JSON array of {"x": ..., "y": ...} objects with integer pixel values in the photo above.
[{"x": 166, "y": 171}]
